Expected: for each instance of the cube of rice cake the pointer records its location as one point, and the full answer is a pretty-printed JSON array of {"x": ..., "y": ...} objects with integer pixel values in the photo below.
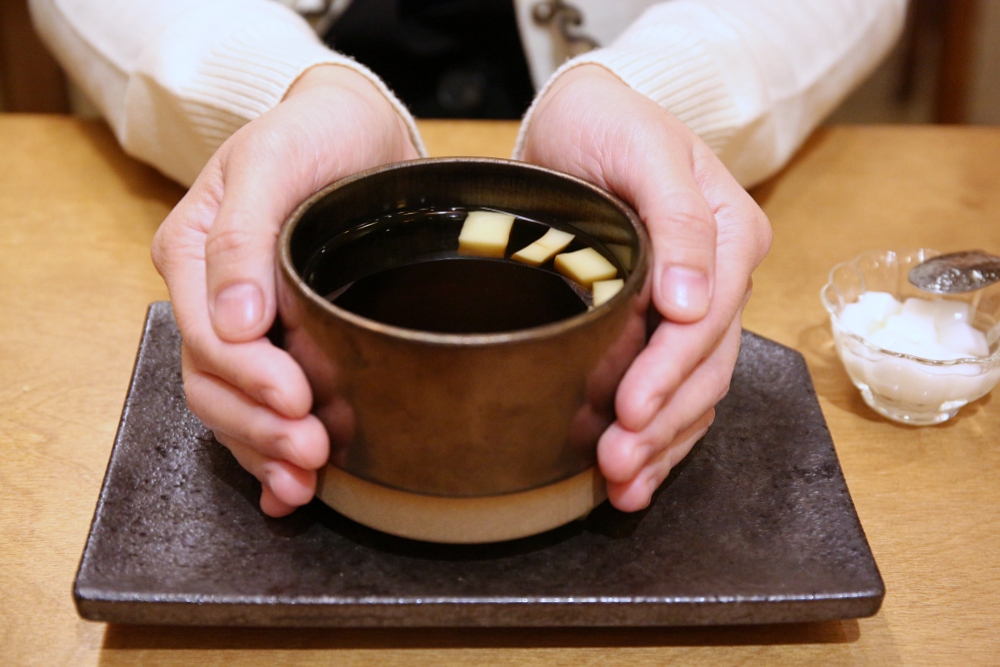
[
  {"x": 585, "y": 266},
  {"x": 544, "y": 249},
  {"x": 485, "y": 234},
  {"x": 605, "y": 289}
]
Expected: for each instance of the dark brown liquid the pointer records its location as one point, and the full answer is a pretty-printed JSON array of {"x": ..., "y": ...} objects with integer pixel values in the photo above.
[
  {"x": 462, "y": 295},
  {"x": 404, "y": 269}
]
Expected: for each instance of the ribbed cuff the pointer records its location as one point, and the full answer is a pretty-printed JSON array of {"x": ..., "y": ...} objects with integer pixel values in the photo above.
[
  {"x": 673, "y": 68},
  {"x": 252, "y": 68}
]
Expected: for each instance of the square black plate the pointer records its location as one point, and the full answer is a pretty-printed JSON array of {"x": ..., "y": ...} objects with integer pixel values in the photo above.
[{"x": 755, "y": 526}]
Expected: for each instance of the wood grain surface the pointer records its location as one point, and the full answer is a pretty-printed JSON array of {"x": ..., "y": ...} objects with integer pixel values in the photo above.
[{"x": 76, "y": 221}]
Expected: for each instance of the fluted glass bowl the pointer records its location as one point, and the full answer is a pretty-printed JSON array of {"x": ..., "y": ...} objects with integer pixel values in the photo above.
[{"x": 904, "y": 387}]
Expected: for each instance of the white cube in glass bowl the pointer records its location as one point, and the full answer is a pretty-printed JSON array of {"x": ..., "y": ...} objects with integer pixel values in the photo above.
[{"x": 916, "y": 357}]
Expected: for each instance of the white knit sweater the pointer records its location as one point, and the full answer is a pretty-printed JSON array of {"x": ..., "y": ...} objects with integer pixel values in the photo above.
[{"x": 751, "y": 77}]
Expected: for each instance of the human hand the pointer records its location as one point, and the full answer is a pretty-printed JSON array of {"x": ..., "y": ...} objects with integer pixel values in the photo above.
[
  {"x": 216, "y": 253},
  {"x": 708, "y": 235}
]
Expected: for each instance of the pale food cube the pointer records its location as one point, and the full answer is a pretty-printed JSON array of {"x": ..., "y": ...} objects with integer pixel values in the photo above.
[
  {"x": 485, "y": 234},
  {"x": 585, "y": 266},
  {"x": 857, "y": 320},
  {"x": 920, "y": 307},
  {"x": 605, "y": 289},
  {"x": 964, "y": 339},
  {"x": 917, "y": 328},
  {"x": 893, "y": 341},
  {"x": 952, "y": 311},
  {"x": 937, "y": 352},
  {"x": 544, "y": 249},
  {"x": 879, "y": 305},
  {"x": 942, "y": 311}
]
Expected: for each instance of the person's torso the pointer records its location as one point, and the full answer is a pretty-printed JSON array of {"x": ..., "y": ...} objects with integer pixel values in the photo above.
[{"x": 467, "y": 58}]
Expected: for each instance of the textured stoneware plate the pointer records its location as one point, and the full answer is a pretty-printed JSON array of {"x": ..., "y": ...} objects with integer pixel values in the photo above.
[{"x": 755, "y": 526}]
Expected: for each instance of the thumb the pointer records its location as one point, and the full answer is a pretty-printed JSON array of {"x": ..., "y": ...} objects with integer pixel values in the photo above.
[
  {"x": 648, "y": 157},
  {"x": 661, "y": 183},
  {"x": 241, "y": 244}
]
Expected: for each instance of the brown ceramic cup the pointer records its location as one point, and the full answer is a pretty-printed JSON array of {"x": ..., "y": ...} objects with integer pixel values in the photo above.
[{"x": 463, "y": 415}]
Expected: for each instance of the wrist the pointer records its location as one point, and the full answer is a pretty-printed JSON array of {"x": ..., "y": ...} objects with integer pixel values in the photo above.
[
  {"x": 575, "y": 78},
  {"x": 571, "y": 91},
  {"x": 331, "y": 74},
  {"x": 587, "y": 72},
  {"x": 562, "y": 105},
  {"x": 328, "y": 77}
]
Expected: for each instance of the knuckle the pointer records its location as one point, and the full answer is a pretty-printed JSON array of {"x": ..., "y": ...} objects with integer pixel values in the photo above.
[
  {"x": 196, "y": 355},
  {"x": 722, "y": 389},
  {"x": 157, "y": 251},
  {"x": 687, "y": 234},
  {"x": 693, "y": 218},
  {"x": 176, "y": 245},
  {"x": 228, "y": 241},
  {"x": 720, "y": 379},
  {"x": 766, "y": 235},
  {"x": 163, "y": 247},
  {"x": 196, "y": 394},
  {"x": 669, "y": 436}
]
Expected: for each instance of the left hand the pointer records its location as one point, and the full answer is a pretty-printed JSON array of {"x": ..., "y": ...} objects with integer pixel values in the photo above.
[
  {"x": 708, "y": 236},
  {"x": 216, "y": 253}
]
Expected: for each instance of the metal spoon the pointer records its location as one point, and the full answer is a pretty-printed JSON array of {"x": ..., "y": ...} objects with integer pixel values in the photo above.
[{"x": 956, "y": 272}]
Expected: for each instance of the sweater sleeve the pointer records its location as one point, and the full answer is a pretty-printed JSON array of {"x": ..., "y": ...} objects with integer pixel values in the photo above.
[
  {"x": 175, "y": 79},
  {"x": 751, "y": 77}
]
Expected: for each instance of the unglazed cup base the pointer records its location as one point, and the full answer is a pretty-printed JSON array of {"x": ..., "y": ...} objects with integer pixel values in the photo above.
[{"x": 461, "y": 520}]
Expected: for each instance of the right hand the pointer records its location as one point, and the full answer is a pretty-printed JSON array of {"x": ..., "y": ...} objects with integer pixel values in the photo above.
[
  {"x": 216, "y": 252},
  {"x": 707, "y": 236}
]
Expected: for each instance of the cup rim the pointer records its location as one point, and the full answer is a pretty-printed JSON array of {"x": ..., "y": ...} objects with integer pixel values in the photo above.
[
  {"x": 633, "y": 283},
  {"x": 927, "y": 253}
]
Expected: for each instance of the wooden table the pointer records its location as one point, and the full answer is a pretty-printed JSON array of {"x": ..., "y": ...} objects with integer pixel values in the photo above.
[{"x": 76, "y": 220}]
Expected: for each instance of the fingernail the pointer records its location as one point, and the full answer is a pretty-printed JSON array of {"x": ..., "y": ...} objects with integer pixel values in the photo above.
[
  {"x": 272, "y": 399},
  {"x": 652, "y": 484},
  {"x": 292, "y": 453},
  {"x": 238, "y": 309},
  {"x": 267, "y": 474},
  {"x": 685, "y": 289},
  {"x": 276, "y": 477},
  {"x": 289, "y": 452}
]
